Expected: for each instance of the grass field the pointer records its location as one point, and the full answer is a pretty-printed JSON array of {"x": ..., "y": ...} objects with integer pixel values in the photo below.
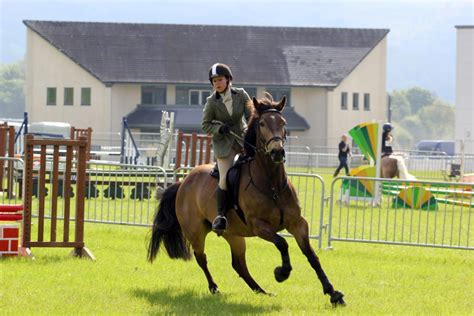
[{"x": 376, "y": 279}]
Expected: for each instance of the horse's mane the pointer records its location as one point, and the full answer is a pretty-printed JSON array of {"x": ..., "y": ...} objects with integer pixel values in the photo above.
[{"x": 263, "y": 104}]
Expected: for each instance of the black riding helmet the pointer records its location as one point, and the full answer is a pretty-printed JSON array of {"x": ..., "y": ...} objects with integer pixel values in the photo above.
[
  {"x": 219, "y": 69},
  {"x": 387, "y": 127}
]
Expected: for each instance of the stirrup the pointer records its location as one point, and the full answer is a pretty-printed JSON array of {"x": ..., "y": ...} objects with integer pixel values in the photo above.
[{"x": 219, "y": 223}]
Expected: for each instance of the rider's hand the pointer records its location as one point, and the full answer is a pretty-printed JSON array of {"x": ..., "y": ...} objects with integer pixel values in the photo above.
[{"x": 224, "y": 129}]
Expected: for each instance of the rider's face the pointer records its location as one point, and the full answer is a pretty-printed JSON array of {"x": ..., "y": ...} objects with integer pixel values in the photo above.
[{"x": 219, "y": 83}]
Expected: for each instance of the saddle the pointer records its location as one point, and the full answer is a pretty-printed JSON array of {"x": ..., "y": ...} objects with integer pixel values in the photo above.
[{"x": 233, "y": 181}]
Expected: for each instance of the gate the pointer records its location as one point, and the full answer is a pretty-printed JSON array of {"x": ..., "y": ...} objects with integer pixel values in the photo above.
[{"x": 46, "y": 172}]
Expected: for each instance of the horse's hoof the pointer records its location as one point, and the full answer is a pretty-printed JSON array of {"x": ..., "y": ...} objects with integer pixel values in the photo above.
[
  {"x": 214, "y": 289},
  {"x": 337, "y": 299},
  {"x": 218, "y": 232},
  {"x": 262, "y": 291},
  {"x": 281, "y": 274}
]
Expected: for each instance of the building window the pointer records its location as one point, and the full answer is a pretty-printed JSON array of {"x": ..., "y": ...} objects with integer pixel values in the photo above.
[
  {"x": 278, "y": 93},
  {"x": 344, "y": 101},
  {"x": 153, "y": 94},
  {"x": 366, "y": 101},
  {"x": 198, "y": 97},
  {"x": 68, "y": 96},
  {"x": 355, "y": 101},
  {"x": 196, "y": 94},
  {"x": 51, "y": 96},
  {"x": 85, "y": 96}
]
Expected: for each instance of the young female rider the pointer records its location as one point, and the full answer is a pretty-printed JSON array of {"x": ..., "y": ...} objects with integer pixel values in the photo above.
[{"x": 223, "y": 113}]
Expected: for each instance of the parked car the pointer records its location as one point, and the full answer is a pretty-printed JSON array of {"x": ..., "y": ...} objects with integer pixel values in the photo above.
[{"x": 440, "y": 146}]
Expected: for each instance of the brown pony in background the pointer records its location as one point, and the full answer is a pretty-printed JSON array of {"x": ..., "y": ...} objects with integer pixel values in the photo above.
[
  {"x": 394, "y": 166},
  {"x": 267, "y": 197}
]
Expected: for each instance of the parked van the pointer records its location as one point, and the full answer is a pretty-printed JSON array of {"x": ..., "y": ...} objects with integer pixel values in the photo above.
[{"x": 441, "y": 146}]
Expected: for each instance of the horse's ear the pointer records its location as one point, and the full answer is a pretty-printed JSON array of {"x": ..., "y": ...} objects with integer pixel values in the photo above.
[
  {"x": 281, "y": 104},
  {"x": 255, "y": 103}
]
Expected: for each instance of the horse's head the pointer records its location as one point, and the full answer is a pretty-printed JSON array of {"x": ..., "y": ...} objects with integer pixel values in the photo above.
[{"x": 269, "y": 125}]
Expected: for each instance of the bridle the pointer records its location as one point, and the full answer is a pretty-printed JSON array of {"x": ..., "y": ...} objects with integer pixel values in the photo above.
[
  {"x": 276, "y": 192},
  {"x": 274, "y": 138}
]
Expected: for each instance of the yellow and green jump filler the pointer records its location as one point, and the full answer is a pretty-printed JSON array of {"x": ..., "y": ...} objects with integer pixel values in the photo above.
[
  {"x": 415, "y": 197},
  {"x": 359, "y": 187},
  {"x": 365, "y": 135}
]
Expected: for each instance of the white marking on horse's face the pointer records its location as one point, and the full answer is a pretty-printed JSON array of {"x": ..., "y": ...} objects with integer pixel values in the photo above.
[{"x": 273, "y": 117}]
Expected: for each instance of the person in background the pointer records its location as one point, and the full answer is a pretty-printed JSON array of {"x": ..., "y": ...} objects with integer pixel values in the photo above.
[
  {"x": 387, "y": 140},
  {"x": 223, "y": 118},
  {"x": 344, "y": 152}
]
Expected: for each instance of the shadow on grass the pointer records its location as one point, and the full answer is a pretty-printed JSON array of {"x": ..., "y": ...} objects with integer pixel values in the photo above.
[{"x": 184, "y": 302}]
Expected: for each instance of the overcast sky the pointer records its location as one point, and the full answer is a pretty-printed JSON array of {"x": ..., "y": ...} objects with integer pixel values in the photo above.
[{"x": 421, "y": 42}]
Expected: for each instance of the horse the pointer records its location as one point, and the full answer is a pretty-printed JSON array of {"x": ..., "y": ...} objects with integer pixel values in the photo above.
[
  {"x": 267, "y": 198},
  {"x": 394, "y": 166}
]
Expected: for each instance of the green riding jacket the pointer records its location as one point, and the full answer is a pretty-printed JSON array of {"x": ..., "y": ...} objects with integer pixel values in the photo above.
[{"x": 215, "y": 110}]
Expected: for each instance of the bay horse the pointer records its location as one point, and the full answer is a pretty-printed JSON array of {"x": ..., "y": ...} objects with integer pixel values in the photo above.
[{"x": 267, "y": 197}]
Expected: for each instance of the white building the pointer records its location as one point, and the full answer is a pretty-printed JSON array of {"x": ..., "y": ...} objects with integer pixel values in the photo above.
[
  {"x": 93, "y": 74},
  {"x": 465, "y": 86}
]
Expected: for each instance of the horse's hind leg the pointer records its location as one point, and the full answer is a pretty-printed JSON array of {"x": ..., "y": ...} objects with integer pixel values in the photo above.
[
  {"x": 237, "y": 247},
  {"x": 197, "y": 236},
  {"x": 300, "y": 231},
  {"x": 265, "y": 232}
]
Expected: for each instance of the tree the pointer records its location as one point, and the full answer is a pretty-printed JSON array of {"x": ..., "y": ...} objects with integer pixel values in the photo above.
[
  {"x": 438, "y": 120},
  {"x": 400, "y": 106},
  {"x": 12, "y": 96},
  {"x": 419, "y": 98},
  {"x": 414, "y": 126},
  {"x": 419, "y": 114},
  {"x": 403, "y": 138}
]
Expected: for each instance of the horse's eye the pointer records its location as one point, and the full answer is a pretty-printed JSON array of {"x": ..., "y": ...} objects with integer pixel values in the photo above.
[{"x": 261, "y": 124}]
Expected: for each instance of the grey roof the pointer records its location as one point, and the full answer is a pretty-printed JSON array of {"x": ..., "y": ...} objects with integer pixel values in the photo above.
[
  {"x": 188, "y": 117},
  {"x": 172, "y": 53}
]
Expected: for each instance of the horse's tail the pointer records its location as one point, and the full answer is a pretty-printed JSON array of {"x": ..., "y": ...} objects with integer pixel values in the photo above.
[
  {"x": 402, "y": 169},
  {"x": 167, "y": 229}
]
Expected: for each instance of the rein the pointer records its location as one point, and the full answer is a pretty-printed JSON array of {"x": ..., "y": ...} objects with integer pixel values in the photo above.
[{"x": 275, "y": 193}]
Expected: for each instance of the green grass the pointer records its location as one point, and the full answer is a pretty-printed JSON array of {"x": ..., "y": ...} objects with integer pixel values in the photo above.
[{"x": 377, "y": 279}]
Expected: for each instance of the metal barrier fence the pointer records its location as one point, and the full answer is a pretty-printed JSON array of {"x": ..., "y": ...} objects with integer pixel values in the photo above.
[
  {"x": 311, "y": 195},
  {"x": 125, "y": 194},
  {"x": 122, "y": 194},
  {"x": 435, "y": 167},
  {"x": 416, "y": 213}
]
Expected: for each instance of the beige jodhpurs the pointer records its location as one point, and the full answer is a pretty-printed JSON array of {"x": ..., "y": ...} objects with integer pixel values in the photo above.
[{"x": 224, "y": 164}]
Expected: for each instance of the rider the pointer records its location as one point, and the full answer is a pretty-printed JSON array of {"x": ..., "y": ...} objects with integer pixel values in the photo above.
[
  {"x": 223, "y": 118},
  {"x": 387, "y": 140}
]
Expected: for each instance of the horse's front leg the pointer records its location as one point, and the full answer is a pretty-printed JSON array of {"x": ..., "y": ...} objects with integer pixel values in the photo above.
[
  {"x": 266, "y": 232},
  {"x": 300, "y": 231},
  {"x": 237, "y": 247}
]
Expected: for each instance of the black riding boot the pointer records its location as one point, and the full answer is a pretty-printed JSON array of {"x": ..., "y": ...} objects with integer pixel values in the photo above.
[{"x": 220, "y": 222}]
